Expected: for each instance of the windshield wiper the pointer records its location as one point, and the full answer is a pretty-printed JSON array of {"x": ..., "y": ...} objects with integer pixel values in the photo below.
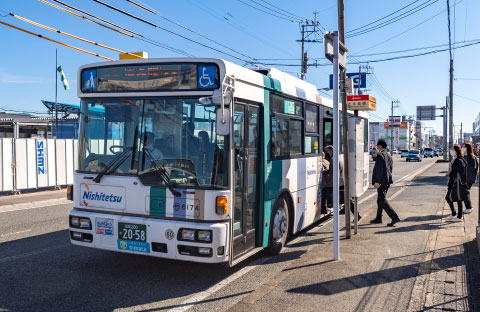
[
  {"x": 162, "y": 172},
  {"x": 114, "y": 164}
]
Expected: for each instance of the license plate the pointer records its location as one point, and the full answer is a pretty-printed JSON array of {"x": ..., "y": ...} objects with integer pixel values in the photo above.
[{"x": 132, "y": 232}]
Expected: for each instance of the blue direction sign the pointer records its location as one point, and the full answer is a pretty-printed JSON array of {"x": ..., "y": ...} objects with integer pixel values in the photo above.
[{"x": 354, "y": 76}]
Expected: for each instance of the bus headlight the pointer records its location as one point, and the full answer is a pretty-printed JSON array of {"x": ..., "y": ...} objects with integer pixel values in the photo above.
[
  {"x": 205, "y": 236},
  {"x": 74, "y": 221},
  {"x": 188, "y": 235},
  {"x": 85, "y": 223}
]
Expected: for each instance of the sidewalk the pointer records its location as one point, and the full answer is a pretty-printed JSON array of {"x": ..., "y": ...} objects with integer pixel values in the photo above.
[
  {"x": 451, "y": 280},
  {"x": 33, "y": 200},
  {"x": 421, "y": 264}
]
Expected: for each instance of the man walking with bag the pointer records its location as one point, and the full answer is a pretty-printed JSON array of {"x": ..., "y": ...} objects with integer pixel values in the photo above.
[{"x": 382, "y": 179}]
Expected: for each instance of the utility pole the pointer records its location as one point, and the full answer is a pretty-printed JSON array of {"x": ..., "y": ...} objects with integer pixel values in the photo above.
[
  {"x": 391, "y": 125},
  {"x": 461, "y": 134},
  {"x": 307, "y": 28},
  {"x": 450, "y": 91},
  {"x": 343, "y": 79}
]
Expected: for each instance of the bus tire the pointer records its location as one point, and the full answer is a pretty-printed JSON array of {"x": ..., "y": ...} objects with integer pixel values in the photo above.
[{"x": 279, "y": 225}]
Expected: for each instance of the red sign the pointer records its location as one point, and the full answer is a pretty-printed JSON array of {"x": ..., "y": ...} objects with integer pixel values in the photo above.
[{"x": 363, "y": 102}]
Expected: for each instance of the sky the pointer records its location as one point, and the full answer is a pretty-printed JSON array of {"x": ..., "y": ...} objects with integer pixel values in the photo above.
[{"x": 27, "y": 63}]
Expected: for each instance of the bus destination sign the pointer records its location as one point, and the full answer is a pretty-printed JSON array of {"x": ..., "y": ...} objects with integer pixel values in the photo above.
[{"x": 150, "y": 77}]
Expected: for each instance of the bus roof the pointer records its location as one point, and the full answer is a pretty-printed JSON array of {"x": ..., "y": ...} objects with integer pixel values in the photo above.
[{"x": 250, "y": 82}]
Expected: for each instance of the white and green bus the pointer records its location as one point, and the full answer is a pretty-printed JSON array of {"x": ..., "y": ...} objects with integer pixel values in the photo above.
[{"x": 200, "y": 159}]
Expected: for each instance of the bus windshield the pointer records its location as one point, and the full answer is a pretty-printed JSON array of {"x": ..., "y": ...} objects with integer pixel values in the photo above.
[{"x": 163, "y": 137}]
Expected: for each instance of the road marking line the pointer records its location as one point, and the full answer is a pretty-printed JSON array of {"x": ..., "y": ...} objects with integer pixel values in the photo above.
[
  {"x": 415, "y": 173},
  {"x": 33, "y": 253},
  {"x": 196, "y": 299},
  {"x": 19, "y": 232}
]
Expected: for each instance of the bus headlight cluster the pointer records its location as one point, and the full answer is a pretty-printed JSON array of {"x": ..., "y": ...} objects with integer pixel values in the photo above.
[
  {"x": 201, "y": 236},
  {"x": 80, "y": 223}
]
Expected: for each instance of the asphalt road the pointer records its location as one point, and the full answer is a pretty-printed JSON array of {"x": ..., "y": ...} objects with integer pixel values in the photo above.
[{"x": 42, "y": 271}]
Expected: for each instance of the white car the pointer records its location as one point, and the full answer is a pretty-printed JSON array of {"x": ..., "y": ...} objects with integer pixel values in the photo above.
[{"x": 403, "y": 153}]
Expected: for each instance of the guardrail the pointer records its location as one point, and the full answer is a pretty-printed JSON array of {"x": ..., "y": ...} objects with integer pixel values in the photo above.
[{"x": 36, "y": 163}]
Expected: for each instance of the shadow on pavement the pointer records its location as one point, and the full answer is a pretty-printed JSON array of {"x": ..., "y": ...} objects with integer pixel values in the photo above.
[
  {"x": 371, "y": 279},
  {"x": 47, "y": 273}
]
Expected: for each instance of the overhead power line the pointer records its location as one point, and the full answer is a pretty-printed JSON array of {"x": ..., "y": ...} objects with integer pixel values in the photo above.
[
  {"x": 380, "y": 60},
  {"x": 466, "y": 98},
  {"x": 156, "y": 12},
  {"x": 126, "y": 13},
  {"x": 380, "y": 19},
  {"x": 269, "y": 13},
  {"x": 276, "y": 7},
  {"x": 288, "y": 15},
  {"x": 141, "y": 6},
  {"x": 85, "y": 18},
  {"x": 55, "y": 41},
  {"x": 132, "y": 34},
  {"x": 251, "y": 61},
  {"x": 72, "y": 36},
  {"x": 394, "y": 19},
  {"x": 95, "y": 17},
  {"x": 407, "y": 30}
]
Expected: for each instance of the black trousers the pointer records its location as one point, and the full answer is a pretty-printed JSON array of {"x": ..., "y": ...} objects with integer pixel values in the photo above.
[
  {"x": 383, "y": 204},
  {"x": 327, "y": 194},
  {"x": 342, "y": 199},
  {"x": 468, "y": 203}
]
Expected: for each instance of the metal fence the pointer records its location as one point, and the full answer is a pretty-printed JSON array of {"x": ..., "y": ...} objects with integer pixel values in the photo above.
[{"x": 36, "y": 163}]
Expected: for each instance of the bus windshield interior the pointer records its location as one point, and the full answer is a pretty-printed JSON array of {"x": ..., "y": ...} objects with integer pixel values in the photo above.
[{"x": 163, "y": 141}]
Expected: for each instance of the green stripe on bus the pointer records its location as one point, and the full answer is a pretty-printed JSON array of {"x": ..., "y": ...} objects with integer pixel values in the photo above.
[
  {"x": 272, "y": 84},
  {"x": 158, "y": 198},
  {"x": 267, "y": 210},
  {"x": 273, "y": 181}
]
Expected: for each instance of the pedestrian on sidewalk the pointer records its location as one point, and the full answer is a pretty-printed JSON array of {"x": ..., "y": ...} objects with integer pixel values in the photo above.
[
  {"x": 472, "y": 170},
  {"x": 326, "y": 184},
  {"x": 458, "y": 169},
  {"x": 382, "y": 179},
  {"x": 329, "y": 151}
]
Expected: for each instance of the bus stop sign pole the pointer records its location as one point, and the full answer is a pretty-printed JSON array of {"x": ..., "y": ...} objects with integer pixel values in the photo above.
[{"x": 336, "y": 129}]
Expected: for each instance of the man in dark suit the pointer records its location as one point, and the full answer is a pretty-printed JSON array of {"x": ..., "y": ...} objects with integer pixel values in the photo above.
[{"x": 382, "y": 179}]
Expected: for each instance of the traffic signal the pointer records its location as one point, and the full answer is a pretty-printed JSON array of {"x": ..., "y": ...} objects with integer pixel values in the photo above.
[{"x": 304, "y": 63}]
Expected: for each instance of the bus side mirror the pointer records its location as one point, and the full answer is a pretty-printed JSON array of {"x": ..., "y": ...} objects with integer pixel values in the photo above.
[{"x": 222, "y": 125}]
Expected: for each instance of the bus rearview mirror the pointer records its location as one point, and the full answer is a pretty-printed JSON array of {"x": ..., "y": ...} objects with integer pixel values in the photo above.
[{"x": 222, "y": 125}]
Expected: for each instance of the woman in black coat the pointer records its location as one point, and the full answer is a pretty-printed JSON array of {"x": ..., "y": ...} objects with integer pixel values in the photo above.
[{"x": 458, "y": 166}]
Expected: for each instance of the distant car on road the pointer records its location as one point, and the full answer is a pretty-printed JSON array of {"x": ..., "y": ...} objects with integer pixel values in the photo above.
[
  {"x": 396, "y": 151},
  {"x": 428, "y": 152},
  {"x": 437, "y": 152},
  {"x": 403, "y": 153},
  {"x": 414, "y": 155}
]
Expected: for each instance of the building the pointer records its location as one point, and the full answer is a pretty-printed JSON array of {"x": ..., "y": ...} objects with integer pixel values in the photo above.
[
  {"x": 380, "y": 130},
  {"x": 30, "y": 126},
  {"x": 476, "y": 126}
]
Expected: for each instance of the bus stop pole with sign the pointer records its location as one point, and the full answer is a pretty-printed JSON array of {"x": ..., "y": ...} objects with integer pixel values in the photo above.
[{"x": 336, "y": 129}]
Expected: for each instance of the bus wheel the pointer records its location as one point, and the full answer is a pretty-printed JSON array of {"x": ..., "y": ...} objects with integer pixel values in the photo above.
[{"x": 278, "y": 227}]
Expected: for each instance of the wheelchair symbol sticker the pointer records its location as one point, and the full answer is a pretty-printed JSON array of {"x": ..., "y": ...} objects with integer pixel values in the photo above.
[{"x": 206, "y": 77}]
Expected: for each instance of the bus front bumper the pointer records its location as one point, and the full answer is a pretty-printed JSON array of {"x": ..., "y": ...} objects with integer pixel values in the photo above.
[{"x": 179, "y": 240}]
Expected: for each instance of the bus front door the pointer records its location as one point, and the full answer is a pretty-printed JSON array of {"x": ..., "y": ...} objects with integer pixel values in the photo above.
[{"x": 246, "y": 142}]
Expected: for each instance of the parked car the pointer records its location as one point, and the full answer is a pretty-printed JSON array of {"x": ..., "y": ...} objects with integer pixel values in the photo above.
[
  {"x": 403, "y": 153},
  {"x": 437, "y": 152},
  {"x": 414, "y": 155},
  {"x": 428, "y": 152},
  {"x": 396, "y": 151}
]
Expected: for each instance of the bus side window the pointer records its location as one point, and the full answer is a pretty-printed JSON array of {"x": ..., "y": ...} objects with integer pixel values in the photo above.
[{"x": 327, "y": 132}]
